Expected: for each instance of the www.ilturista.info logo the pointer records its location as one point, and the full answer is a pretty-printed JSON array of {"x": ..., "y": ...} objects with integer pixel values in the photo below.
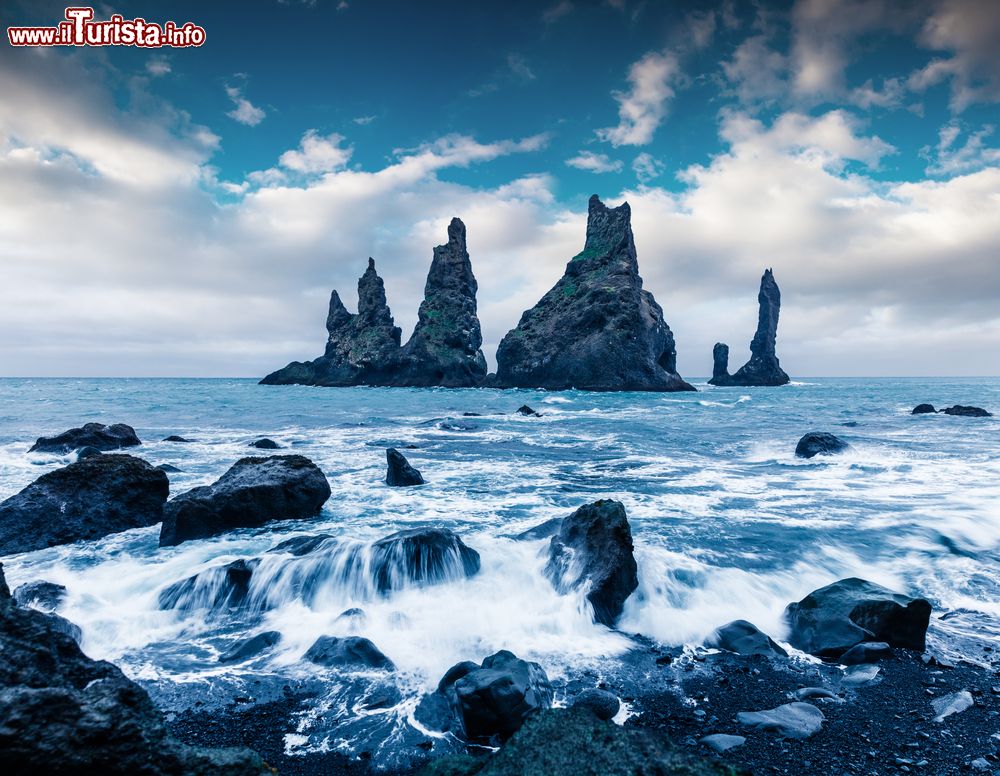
[{"x": 80, "y": 29}]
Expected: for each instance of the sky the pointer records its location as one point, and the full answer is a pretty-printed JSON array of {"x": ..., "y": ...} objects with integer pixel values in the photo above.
[{"x": 186, "y": 212}]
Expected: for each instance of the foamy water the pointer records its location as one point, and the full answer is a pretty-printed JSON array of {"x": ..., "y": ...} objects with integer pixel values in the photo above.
[{"x": 727, "y": 522}]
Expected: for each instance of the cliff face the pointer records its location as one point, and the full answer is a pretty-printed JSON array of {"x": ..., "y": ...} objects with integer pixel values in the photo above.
[
  {"x": 763, "y": 367},
  {"x": 445, "y": 346},
  {"x": 596, "y": 329}
]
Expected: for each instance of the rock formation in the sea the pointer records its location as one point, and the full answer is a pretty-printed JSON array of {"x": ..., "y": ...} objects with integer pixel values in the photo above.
[
  {"x": 819, "y": 443},
  {"x": 763, "y": 367},
  {"x": 831, "y": 620},
  {"x": 348, "y": 652},
  {"x": 594, "y": 547},
  {"x": 362, "y": 348},
  {"x": 419, "y": 557},
  {"x": 967, "y": 412},
  {"x": 399, "y": 473},
  {"x": 923, "y": 409},
  {"x": 61, "y": 712},
  {"x": 445, "y": 346},
  {"x": 86, "y": 500},
  {"x": 596, "y": 329},
  {"x": 253, "y": 491},
  {"x": 218, "y": 588},
  {"x": 96, "y": 435}
]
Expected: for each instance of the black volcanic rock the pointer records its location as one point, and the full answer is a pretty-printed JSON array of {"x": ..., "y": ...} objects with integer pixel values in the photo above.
[
  {"x": 63, "y": 713},
  {"x": 399, "y": 473},
  {"x": 96, "y": 435},
  {"x": 923, "y": 409},
  {"x": 265, "y": 444},
  {"x": 421, "y": 556},
  {"x": 819, "y": 443},
  {"x": 763, "y": 367},
  {"x": 594, "y": 548},
  {"x": 348, "y": 652},
  {"x": 244, "y": 649},
  {"x": 253, "y": 491},
  {"x": 361, "y": 349},
  {"x": 524, "y": 409},
  {"x": 744, "y": 638},
  {"x": 176, "y": 438},
  {"x": 86, "y": 500},
  {"x": 445, "y": 346},
  {"x": 40, "y": 595},
  {"x": 596, "y": 329},
  {"x": 218, "y": 588},
  {"x": 967, "y": 412}
]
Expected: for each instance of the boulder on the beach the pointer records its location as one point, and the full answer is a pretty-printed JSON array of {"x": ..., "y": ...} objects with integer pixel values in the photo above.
[
  {"x": 421, "y": 556},
  {"x": 819, "y": 443},
  {"x": 923, "y": 409},
  {"x": 601, "y": 703},
  {"x": 348, "y": 652},
  {"x": 831, "y": 620},
  {"x": 67, "y": 714},
  {"x": 524, "y": 409},
  {"x": 491, "y": 701},
  {"x": 175, "y": 438},
  {"x": 87, "y": 452},
  {"x": 744, "y": 638},
  {"x": 967, "y": 412},
  {"x": 399, "y": 473},
  {"x": 866, "y": 652},
  {"x": 40, "y": 595},
  {"x": 224, "y": 587},
  {"x": 790, "y": 720},
  {"x": 265, "y": 444},
  {"x": 84, "y": 501},
  {"x": 96, "y": 435},
  {"x": 722, "y": 742},
  {"x": 244, "y": 649},
  {"x": 594, "y": 548},
  {"x": 252, "y": 492}
]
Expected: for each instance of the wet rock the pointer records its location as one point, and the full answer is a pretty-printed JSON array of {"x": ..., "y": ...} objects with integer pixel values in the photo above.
[
  {"x": 763, "y": 367},
  {"x": 87, "y": 452},
  {"x": 953, "y": 703},
  {"x": 252, "y": 492},
  {"x": 175, "y": 438},
  {"x": 866, "y": 652},
  {"x": 265, "y": 444},
  {"x": 597, "y": 328},
  {"x": 601, "y": 703},
  {"x": 524, "y": 409},
  {"x": 168, "y": 468},
  {"x": 65, "y": 713},
  {"x": 218, "y": 588},
  {"x": 722, "y": 742},
  {"x": 541, "y": 531},
  {"x": 354, "y": 616},
  {"x": 64, "y": 626},
  {"x": 816, "y": 693},
  {"x": 819, "y": 443},
  {"x": 831, "y": 620},
  {"x": 301, "y": 545},
  {"x": 399, "y": 473},
  {"x": 244, "y": 649},
  {"x": 744, "y": 638},
  {"x": 791, "y": 720},
  {"x": 923, "y": 409},
  {"x": 348, "y": 652},
  {"x": 594, "y": 548},
  {"x": 967, "y": 412},
  {"x": 96, "y": 435},
  {"x": 40, "y": 595},
  {"x": 84, "y": 501},
  {"x": 421, "y": 556},
  {"x": 857, "y": 675}
]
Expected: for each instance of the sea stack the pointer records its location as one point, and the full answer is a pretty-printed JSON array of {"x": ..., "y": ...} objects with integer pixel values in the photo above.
[
  {"x": 596, "y": 329},
  {"x": 763, "y": 367},
  {"x": 362, "y": 348},
  {"x": 445, "y": 346}
]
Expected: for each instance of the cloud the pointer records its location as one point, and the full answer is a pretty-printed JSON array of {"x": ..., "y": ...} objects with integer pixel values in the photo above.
[
  {"x": 157, "y": 66},
  {"x": 951, "y": 158},
  {"x": 558, "y": 11},
  {"x": 647, "y": 167},
  {"x": 591, "y": 162},
  {"x": 518, "y": 66},
  {"x": 642, "y": 109},
  {"x": 244, "y": 111},
  {"x": 364, "y": 121},
  {"x": 756, "y": 71},
  {"x": 316, "y": 154}
]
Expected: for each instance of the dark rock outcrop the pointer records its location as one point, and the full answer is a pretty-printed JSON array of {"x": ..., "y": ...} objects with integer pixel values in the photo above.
[
  {"x": 594, "y": 547},
  {"x": 175, "y": 438},
  {"x": 63, "y": 713},
  {"x": 421, "y": 556},
  {"x": 923, "y": 409},
  {"x": 96, "y": 435},
  {"x": 601, "y": 703},
  {"x": 348, "y": 652},
  {"x": 541, "y": 531},
  {"x": 831, "y": 620},
  {"x": 265, "y": 444},
  {"x": 445, "y": 348},
  {"x": 399, "y": 473},
  {"x": 744, "y": 638},
  {"x": 763, "y": 367},
  {"x": 819, "y": 443},
  {"x": 219, "y": 588},
  {"x": 253, "y": 491},
  {"x": 245, "y": 649},
  {"x": 301, "y": 545},
  {"x": 87, "y": 452},
  {"x": 967, "y": 412},
  {"x": 524, "y": 409},
  {"x": 168, "y": 468},
  {"x": 866, "y": 652},
  {"x": 86, "y": 500},
  {"x": 40, "y": 595},
  {"x": 596, "y": 329}
]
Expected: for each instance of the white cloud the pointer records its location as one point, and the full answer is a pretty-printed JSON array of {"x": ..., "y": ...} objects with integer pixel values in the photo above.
[
  {"x": 757, "y": 72},
  {"x": 642, "y": 109},
  {"x": 316, "y": 154},
  {"x": 157, "y": 66},
  {"x": 951, "y": 158},
  {"x": 364, "y": 121},
  {"x": 558, "y": 11},
  {"x": 647, "y": 167},
  {"x": 244, "y": 111},
  {"x": 519, "y": 67},
  {"x": 597, "y": 163}
]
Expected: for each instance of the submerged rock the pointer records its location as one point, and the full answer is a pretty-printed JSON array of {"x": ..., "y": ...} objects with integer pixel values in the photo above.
[
  {"x": 967, "y": 412},
  {"x": 421, "y": 556},
  {"x": 399, "y": 473},
  {"x": 40, "y": 595},
  {"x": 596, "y": 329},
  {"x": 541, "y": 531},
  {"x": 524, "y": 409},
  {"x": 791, "y": 720},
  {"x": 923, "y": 409},
  {"x": 84, "y": 501},
  {"x": 220, "y": 587},
  {"x": 348, "y": 652},
  {"x": 601, "y": 703},
  {"x": 819, "y": 443},
  {"x": 168, "y": 468},
  {"x": 301, "y": 545},
  {"x": 175, "y": 438},
  {"x": 763, "y": 367},
  {"x": 252, "y": 492},
  {"x": 744, "y": 638},
  {"x": 265, "y": 444},
  {"x": 244, "y": 649},
  {"x": 96, "y": 435},
  {"x": 594, "y": 548},
  {"x": 831, "y": 620},
  {"x": 65, "y": 713}
]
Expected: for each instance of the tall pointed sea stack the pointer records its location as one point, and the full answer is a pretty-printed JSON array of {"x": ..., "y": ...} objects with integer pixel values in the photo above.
[
  {"x": 596, "y": 329},
  {"x": 445, "y": 346},
  {"x": 362, "y": 349},
  {"x": 763, "y": 367}
]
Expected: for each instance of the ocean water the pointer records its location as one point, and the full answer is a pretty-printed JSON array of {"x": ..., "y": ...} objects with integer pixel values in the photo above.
[{"x": 727, "y": 522}]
